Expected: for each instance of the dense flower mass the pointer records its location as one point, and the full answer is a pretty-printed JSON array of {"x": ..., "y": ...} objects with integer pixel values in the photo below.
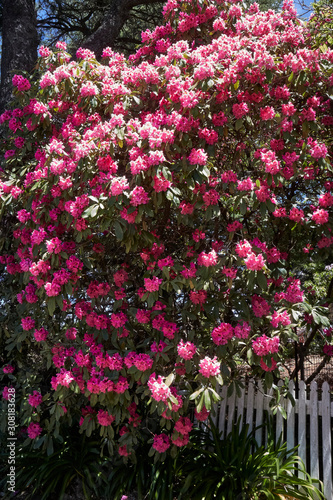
[{"x": 157, "y": 207}]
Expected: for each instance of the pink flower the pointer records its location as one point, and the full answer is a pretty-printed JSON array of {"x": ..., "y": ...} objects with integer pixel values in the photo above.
[
  {"x": 320, "y": 216},
  {"x": 265, "y": 345},
  {"x": 198, "y": 296},
  {"x": 152, "y": 284},
  {"x": 239, "y": 110},
  {"x": 202, "y": 415},
  {"x": 161, "y": 442},
  {"x": 44, "y": 51},
  {"x": 118, "y": 319},
  {"x": 35, "y": 399},
  {"x": 266, "y": 368},
  {"x": 186, "y": 208},
  {"x": 233, "y": 226},
  {"x": 186, "y": 350},
  {"x": 123, "y": 452},
  {"x": 160, "y": 391},
  {"x": 52, "y": 289},
  {"x": 139, "y": 196},
  {"x": 34, "y": 430},
  {"x": 104, "y": 418},
  {"x": 183, "y": 425},
  {"x": 328, "y": 350},
  {"x": 143, "y": 362},
  {"x": 255, "y": 262},
  {"x": 41, "y": 334},
  {"x": 209, "y": 367},
  {"x": 260, "y": 306},
  {"x": 88, "y": 89},
  {"x": 180, "y": 440},
  {"x": 198, "y": 157},
  {"x": 222, "y": 334},
  {"x": 61, "y": 45},
  {"x": 21, "y": 83},
  {"x": 71, "y": 333},
  {"x": 161, "y": 184},
  {"x": 27, "y": 323},
  {"x": 294, "y": 294},
  {"x": 207, "y": 259},
  {"x": 318, "y": 150},
  {"x": 143, "y": 317},
  {"x": 230, "y": 272},
  {"x": 7, "y": 392},
  {"x": 243, "y": 248},
  {"x": 242, "y": 331},
  {"x": 296, "y": 214},
  {"x": 267, "y": 113},
  {"x": 282, "y": 318},
  {"x": 8, "y": 369}
]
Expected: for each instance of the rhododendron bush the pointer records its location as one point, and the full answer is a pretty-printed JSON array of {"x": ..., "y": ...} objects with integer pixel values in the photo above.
[{"x": 161, "y": 205}]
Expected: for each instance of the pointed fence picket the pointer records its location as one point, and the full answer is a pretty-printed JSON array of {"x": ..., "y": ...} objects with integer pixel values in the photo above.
[{"x": 308, "y": 423}]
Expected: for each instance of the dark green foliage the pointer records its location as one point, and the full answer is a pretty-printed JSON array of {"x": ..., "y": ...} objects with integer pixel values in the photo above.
[
  {"x": 75, "y": 463},
  {"x": 236, "y": 468},
  {"x": 231, "y": 468}
]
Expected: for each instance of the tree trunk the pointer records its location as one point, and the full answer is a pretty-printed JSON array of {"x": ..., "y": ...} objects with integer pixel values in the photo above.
[
  {"x": 115, "y": 18},
  {"x": 19, "y": 43}
]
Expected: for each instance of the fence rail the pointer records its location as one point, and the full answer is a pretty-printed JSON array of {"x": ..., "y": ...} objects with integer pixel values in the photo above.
[{"x": 308, "y": 423}]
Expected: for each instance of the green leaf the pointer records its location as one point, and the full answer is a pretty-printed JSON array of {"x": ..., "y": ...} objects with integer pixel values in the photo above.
[
  {"x": 208, "y": 402},
  {"x": 170, "y": 378},
  {"x": 269, "y": 75},
  {"x": 319, "y": 319},
  {"x": 196, "y": 394},
  {"x": 51, "y": 305},
  {"x": 94, "y": 210},
  {"x": 238, "y": 124},
  {"x": 118, "y": 230},
  {"x": 93, "y": 399},
  {"x": 268, "y": 379},
  {"x": 262, "y": 280}
]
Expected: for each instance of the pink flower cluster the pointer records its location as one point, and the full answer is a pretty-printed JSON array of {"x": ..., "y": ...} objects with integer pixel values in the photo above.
[
  {"x": 161, "y": 442},
  {"x": 265, "y": 345},
  {"x": 159, "y": 390},
  {"x": 34, "y": 430},
  {"x": 186, "y": 350},
  {"x": 209, "y": 367},
  {"x": 35, "y": 399},
  {"x": 222, "y": 334}
]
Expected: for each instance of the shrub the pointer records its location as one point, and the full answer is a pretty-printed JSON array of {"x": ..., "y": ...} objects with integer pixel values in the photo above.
[{"x": 164, "y": 208}]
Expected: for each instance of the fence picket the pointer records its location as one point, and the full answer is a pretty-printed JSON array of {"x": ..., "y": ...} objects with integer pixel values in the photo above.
[
  {"x": 259, "y": 404},
  {"x": 231, "y": 411},
  {"x": 279, "y": 419},
  {"x": 291, "y": 418},
  {"x": 326, "y": 433},
  {"x": 314, "y": 444},
  {"x": 223, "y": 409},
  {"x": 240, "y": 406},
  {"x": 249, "y": 404},
  {"x": 302, "y": 422}
]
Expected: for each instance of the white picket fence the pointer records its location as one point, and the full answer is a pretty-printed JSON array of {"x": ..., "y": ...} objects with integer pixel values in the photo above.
[{"x": 308, "y": 423}]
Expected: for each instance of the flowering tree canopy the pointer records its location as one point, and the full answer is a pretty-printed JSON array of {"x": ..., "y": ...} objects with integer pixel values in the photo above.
[{"x": 163, "y": 203}]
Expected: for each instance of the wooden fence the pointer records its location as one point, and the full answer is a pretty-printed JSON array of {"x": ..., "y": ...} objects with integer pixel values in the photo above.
[{"x": 308, "y": 423}]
